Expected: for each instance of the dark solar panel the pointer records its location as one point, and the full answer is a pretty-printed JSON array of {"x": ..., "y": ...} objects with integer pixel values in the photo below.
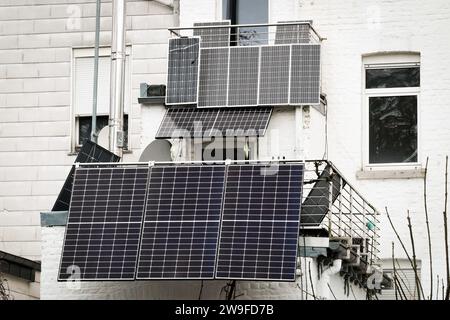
[
  {"x": 104, "y": 224},
  {"x": 242, "y": 122},
  {"x": 179, "y": 122},
  {"x": 243, "y": 76},
  {"x": 260, "y": 223},
  {"x": 212, "y": 90},
  {"x": 183, "y": 62},
  {"x": 274, "y": 75},
  {"x": 213, "y": 37},
  {"x": 182, "y": 219},
  {"x": 305, "y": 74},
  {"x": 316, "y": 204},
  {"x": 185, "y": 122},
  {"x": 89, "y": 152}
]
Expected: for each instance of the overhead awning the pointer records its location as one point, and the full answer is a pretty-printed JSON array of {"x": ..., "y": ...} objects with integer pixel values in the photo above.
[{"x": 189, "y": 122}]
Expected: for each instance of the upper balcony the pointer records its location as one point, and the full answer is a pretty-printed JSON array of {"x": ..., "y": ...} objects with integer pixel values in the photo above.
[{"x": 217, "y": 64}]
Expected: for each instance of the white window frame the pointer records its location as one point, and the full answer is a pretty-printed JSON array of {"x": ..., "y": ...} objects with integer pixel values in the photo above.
[
  {"x": 386, "y": 92},
  {"x": 88, "y": 52}
]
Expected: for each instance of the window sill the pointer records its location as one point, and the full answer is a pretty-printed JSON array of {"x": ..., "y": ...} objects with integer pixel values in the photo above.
[{"x": 390, "y": 174}]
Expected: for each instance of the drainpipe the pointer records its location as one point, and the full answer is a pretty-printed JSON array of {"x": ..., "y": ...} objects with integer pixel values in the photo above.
[
  {"x": 94, "y": 134},
  {"x": 323, "y": 290},
  {"x": 118, "y": 54}
]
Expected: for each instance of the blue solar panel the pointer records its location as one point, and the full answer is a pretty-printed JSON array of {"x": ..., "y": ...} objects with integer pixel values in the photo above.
[
  {"x": 104, "y": 224},
  {"x": 260, "y": 223},
  {"x": 182, "y": 219}
]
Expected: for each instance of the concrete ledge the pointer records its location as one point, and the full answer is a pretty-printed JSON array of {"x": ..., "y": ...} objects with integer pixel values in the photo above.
[
  {"x": 54, "y": 218},
  {"x": 390, "y": 174}
]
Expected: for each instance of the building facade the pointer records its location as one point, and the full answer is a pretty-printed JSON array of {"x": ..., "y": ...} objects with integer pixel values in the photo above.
[{"x": 383, "y": 75}]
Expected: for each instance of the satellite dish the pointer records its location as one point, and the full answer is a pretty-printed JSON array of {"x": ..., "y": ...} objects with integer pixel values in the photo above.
[
  {"x": 103, "y": 137},
  {"x": 158, "y": 150}
]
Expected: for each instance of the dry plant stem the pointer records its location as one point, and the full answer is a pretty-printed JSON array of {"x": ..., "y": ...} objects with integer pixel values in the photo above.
[
  {"x": 404, "y": 248},
  {"x": 393, "y": 269},
  {"x": 413, "y": 255},
  {"x": 447, "y": 292},
  {"x": 428, "y": 227}
]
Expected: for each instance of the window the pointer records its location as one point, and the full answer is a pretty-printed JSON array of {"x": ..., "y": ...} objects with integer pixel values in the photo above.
[
  {"x": 392, "y": 100},
  {"x": 247, "y": 12},
  {"x": 404, "y": 281},
  {"x": 82, "y": 84},
  {"x": 220, "y": 148}
]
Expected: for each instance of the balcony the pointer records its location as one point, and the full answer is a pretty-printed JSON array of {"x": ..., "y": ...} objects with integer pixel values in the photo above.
[
  {"x": 221, "y": 65},
  {"x": 334, "y": 210}
]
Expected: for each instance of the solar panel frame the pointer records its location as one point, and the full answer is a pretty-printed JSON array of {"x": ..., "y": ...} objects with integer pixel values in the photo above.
[
  {"x": 187, "y": 209},
  {"x": 305, "y": 74},
  {"x": 191, "y": 92},
  {"x": 213, "y": 37},
  {"x": 85, "y": 237},
  {"x": 231, "y": 219},
  {"x": 90, "y": 152}
]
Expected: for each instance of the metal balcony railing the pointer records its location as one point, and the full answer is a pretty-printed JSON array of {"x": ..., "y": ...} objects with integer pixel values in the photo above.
[
  {"x": 331, "y": 203},
  {"x": 288, "y": 32}
]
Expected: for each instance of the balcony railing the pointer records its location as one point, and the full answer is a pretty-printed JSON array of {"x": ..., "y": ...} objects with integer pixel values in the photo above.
[
  {"x": 288, "y": 32},
  {"x": 332, "y": 204}
]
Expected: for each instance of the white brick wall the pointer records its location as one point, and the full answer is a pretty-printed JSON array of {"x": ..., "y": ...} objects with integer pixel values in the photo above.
[
  {"x": 52, "y": 241},
  {"x": 352, "y": 28},
  {"x": 36, "y": 42}
]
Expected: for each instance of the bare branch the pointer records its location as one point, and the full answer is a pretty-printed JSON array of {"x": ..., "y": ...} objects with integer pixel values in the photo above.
[{"x": 428, "y": 227}]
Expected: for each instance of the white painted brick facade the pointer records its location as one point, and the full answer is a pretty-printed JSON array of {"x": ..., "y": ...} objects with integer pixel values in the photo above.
[{"x": 352, "y": 29}]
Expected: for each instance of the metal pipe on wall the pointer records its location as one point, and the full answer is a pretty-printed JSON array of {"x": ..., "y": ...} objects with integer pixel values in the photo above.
[
  {"x": 118, "y": 56},
  {"x": 94, "y": 133}
]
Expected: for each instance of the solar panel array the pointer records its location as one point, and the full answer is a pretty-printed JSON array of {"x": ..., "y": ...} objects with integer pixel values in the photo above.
[
  {"x": 193, "y": 122},
  {"x": 182, "y": 219},
  {"x": 179, "y": 215},
  {"x": 213, "y": 37},
  {"x": 182, "y": 76},
  {"x": 90, "y": 152},
  {"x": 260, "y": 224},
  {"x": 104, "y": 224},
  {"x": 248, "y": 76}
]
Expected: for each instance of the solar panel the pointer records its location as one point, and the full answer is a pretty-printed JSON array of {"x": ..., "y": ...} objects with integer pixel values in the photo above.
[
  {"x": 181, "y": 225},
  {"x": 316, "y": 204},
  {"x": 89, "y": 152},
  {"x": 185, "y": 122},
  {"x": 104, "y": 223},
  {"x": 182, "y": 74},
  {"x": 305, "y": 74},
  {"x": 236, "y": 122},
  {"x": 295, "y": 33},
  {"x": 274, "y": 75},
  {"x": 242, "y": 122},
  {"x": 213, "y": 37},
  {"x": 213, "y": 83},
  {"x": 243, "y": 76},
  {"x": 260, "y": 223}
]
